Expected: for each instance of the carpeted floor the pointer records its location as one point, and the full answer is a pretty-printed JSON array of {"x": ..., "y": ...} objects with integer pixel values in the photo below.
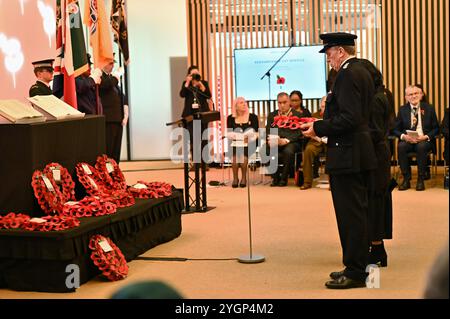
[{"x": 296, "y": 232}]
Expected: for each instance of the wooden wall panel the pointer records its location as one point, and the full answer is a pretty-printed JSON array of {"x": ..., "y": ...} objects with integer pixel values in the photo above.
[{"x": 406, "y": 39}]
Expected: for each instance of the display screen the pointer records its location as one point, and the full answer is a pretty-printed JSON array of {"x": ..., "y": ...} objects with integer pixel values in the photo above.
[{"x": 300, "y": 68}]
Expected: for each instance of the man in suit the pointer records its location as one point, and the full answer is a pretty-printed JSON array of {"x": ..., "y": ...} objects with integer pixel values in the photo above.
[
  {"x": 115, "y": 109},
  {"x": 43, "y": 70},
  {"x": 420, "y": 117},
  {"x": 288, "y": 139},
  {"x": 86, "y": 84},
  {"x": 350, "y": 154}
]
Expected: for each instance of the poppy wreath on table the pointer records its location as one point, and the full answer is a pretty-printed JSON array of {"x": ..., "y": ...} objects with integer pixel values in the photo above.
[
  {"x": 48, "y": 194},
  {"x": 89, "y": 178},
  {"x": 150, "y": 190},
  {"x": 110, "y": 173},
  {"x": 13, "y": 221},
  {"x": 51, "y": 223},
  {"x": 108, "y": 258},
  {"x": 89, "y": 206},
  {"x": 62, "y": 178},
  {"x": 291, "y": 122}
]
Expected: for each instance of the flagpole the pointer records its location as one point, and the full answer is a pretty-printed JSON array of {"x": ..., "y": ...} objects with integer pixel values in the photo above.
[{"x": 124, "y": 87}]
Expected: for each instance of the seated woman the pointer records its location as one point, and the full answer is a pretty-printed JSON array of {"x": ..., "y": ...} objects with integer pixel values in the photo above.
[
  {"x": 296, "y": 98},
  {"x": 242, "y": 128}
]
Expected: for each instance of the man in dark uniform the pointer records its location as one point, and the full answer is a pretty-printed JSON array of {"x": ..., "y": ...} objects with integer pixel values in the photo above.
[
  {"x": 288, "y": 141},
  {"x": 44, "y": 73},
  {"x": 86, "y": 84},
  {"x": 350, "y": 154},
  {"x": 115, "y": 109}
]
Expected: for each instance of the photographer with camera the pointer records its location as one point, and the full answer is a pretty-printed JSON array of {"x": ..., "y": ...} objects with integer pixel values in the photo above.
[{"x": 195, "y": 92}]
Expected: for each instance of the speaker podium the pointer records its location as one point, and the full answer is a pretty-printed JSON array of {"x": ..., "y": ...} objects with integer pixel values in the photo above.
[{"x": 196, "y": 183}]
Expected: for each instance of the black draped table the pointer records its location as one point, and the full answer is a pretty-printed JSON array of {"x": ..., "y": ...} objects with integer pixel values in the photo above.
[
  {"x": 25, "y": 148},
  {"x": 37, "y": 261}
]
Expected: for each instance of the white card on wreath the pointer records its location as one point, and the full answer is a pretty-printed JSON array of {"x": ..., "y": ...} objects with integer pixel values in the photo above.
[
  {"x": 86, "y": 169},
  {"x": 37, "y": 220},
  {"x": 48, "y": 184},
  {"x": 106, "y": 247},
  {"x": 56, "y": 175},
  {"x": 109, "y": 167},
  {"x": 140, "y": 186},
  {"x": 71, "y": 203}
]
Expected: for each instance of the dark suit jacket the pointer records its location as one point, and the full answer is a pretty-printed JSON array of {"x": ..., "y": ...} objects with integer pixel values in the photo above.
[
  {"x": 294, "y": 136},
  {"x": 445, "y": 133},
  {"x": 430, "y": 124},
  {"x": 40, "y": 88},
  {"x": 111, "y": 98},
  {"x": 346, "y": 119}
]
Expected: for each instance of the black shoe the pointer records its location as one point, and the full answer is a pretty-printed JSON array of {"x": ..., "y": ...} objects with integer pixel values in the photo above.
[
  {"x": 235, "y": 184},
  {"x": 427, "y": 174},
  {"x": 344, "y": 282},
  {"x": 242, "y": 185},
  {"x": 378, "y": 256},
  {"x": 283, "y": 183},
  {"x": 420, "y": 186},
  {"x": 405, "y": 185},
  {"x": 336, "y": 274},
  {"x": 275, "y": 182}
]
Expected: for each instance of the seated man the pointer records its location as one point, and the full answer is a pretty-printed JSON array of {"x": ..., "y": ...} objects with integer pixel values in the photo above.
[
  {"x": 420, "y": 117},
  {"x": 314, "y": 147},
  {"x": 288, "y": 139}
]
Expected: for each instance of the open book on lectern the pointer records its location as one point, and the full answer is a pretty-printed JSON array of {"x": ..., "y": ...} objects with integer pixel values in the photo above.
[
  {"x": 19, "y": 113},
  {"x": 54, "y": 108}
]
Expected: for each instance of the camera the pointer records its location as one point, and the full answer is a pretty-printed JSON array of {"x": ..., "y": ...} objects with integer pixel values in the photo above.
[{"x": 196, "y": 77}]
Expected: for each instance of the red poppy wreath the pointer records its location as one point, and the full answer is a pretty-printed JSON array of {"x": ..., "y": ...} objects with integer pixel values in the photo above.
[{"x": 108, "y": 258}]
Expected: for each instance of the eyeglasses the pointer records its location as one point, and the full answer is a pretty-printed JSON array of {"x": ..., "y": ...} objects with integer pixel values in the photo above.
[{"x": 413, "y": 94}]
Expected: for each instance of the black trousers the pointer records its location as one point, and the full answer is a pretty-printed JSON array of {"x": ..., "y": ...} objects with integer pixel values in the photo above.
[
  {"x": 421, "y": 150},
  {"x": 113, "y": 140},
  {"x": 286, "y": 156},
  {"x": 350, "y": 200}
]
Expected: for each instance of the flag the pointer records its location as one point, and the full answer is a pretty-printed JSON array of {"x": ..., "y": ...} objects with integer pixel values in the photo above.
[
  {"x": 100, "y": 34},
  {"x": 119, "y": 25},
  {"x": 71, "y": 60}
]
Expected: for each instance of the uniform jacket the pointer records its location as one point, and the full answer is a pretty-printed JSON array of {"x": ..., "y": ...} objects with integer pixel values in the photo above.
[
  {"x": 346, "y": 119},
  {"x": 111, "y": 98},
  {"x": 40, "y": 88},
  {"x": 86, "y": 94}
]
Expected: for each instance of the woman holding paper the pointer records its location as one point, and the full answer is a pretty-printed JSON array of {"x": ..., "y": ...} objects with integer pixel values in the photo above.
[{"x": 242, "y": 132}]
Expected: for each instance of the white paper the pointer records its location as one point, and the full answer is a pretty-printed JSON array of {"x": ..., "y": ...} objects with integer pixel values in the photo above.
[
  {"x": 413, "y": 134},
  {"x": 106, "y": 247},
  {"x": 109, "y": 167},
  {"x": 48, "y": 184},
  {"x": 37, "y": 220},
  {"x": 56, "y": 175},
  {"x": 195, "y": 106},
  {"x": 140, "y": 186},
  {"x": 86, "y": 169}
]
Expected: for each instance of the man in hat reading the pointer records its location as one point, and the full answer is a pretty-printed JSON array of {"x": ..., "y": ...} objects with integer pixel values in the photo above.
[
  {"x": 44, "y": 73},
  {"x": 350, "y": 154}
]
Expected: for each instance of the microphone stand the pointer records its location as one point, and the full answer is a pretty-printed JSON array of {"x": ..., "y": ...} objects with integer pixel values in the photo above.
[
  {"x": 251, "y": 258},
  {"x": 268, "y": 71}
]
